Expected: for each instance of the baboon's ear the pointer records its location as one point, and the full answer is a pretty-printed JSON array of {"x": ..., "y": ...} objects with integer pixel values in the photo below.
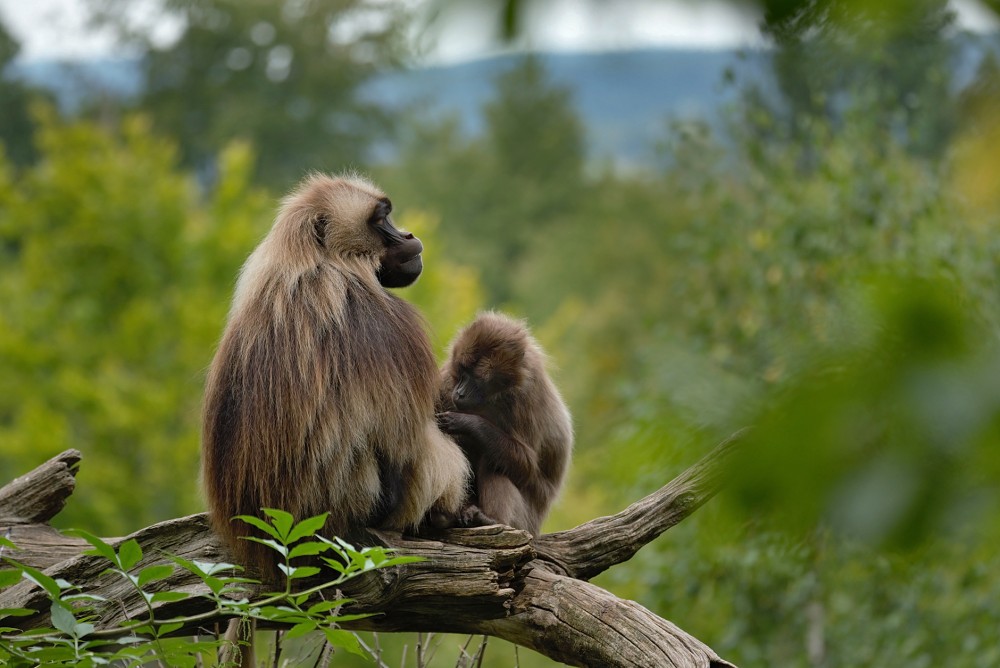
[{"x": 320, "y": 223}]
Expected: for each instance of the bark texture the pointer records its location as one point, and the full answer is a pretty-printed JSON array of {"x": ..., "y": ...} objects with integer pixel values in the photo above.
[{"x": 487, "y": 580}]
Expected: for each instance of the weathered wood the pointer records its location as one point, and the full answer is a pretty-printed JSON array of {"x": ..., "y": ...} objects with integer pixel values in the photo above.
[
  {"x": 39, "y": 545},
  {"x": 583, "y": 625},
  {"x": 493, "y": 580},
  {"x": 591, "y": 548},
  {"x": 37, "y": 497}
]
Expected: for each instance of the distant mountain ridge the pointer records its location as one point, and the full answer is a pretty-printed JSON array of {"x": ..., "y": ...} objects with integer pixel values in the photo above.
[{"x": 624, "y": 98}]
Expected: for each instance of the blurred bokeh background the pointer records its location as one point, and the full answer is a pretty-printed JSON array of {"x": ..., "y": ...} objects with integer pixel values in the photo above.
[{"x": 782, "y": 214}]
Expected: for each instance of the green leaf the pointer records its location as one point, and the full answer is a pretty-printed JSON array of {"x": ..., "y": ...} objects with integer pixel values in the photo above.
[
  {"x": 166, "y": 629},
  {"x": 145, "y": 628},
  {"x": 283, "y": 615},
  {"x": 63, "y": 619},
  {"x": 240, "y": 608},
  {"x": 15, "y": 612},
  {"x": 83, "y": 629},
  {"x": 54, "y": 654},
  {"x": 129, "y": 553},
  {"x": 301, "y": 629},
  {"x": 214, "y": 567},
  {"x": 307, "y": 527},
  {"x": 168, "y": 596},
  {"x": 303, "y": 572},
  {"x": 282, "y": 521},
  {"x": 344, "y": 640},
  {"x": 153, "y": 573},
  {"x": 274, "y": 612},
  {"x": 335, "y": 565},
  {"x": 308, "y": 549},
  {"x": 128, "y": 653},
  {"x": 342, "y": 544},
  {"x": 43, "y": 581},
  {"x": 375, "y": 554},
  {"x": 203, "y": 568},
  {"x": 352, "y": 617},
  {"x": 260, "y": 524},
  {"x": 9, "y": 577},
  {"x": 323, "y": 606},
  {"x": 7, "y": 543},
  {"x": 399, "y": 561},
  {"x": 82, "y": 597},
  {"x": 273, "y": 544},
  {"x": 64, "y": 584},
  {"x": 101, "y": 548},
  {"x": 215, "y": 584},
  {"x": 181, "y": 660}
]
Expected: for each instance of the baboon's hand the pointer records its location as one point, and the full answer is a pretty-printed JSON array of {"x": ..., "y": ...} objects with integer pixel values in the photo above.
[
  {"x": 472, "y": 516},
  {"x": 455, "y": 423}
]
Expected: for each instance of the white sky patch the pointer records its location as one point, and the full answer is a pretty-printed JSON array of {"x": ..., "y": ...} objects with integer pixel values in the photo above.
[
  {"x": 974, "y": 16},
  {"x": 52, "y": 29},
  {"x": 469, "y": 30},
  {"x": 646, "y": 23},
  {"x": 57, "y": 29}
]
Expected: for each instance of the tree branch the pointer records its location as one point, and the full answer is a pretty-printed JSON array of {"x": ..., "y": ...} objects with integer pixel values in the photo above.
[
  {"x": 593, "y": 547},
  {"x": 486, "y": 580},
  {"x": 37, "y": 497},
  {"x": 581, "y": 624}
]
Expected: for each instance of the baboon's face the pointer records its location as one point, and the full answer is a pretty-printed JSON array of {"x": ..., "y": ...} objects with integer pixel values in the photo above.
[
  {"x": 401, "y": 262},
  {"x": 356, "y": 222},
  {"x": 482, "y": 373}
]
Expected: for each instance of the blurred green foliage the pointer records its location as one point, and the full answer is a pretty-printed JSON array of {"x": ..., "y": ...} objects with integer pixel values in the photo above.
[
  {"x": 115, "y": 281},
  {"x": 898, "y": 56},
  {"x": 824, "y": 267}
]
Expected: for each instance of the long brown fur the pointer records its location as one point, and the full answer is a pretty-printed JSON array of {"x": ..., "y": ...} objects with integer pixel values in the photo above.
[
  {"x": 321, "y": 394},
  {"x": 519, "y": 437}
]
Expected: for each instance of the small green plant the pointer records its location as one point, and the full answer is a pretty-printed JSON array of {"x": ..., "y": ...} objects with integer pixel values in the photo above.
[{"x": 145, "y": 637}]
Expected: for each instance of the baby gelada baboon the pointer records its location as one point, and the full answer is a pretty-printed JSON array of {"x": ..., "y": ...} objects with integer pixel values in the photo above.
[{"x": 500, "y": 405}]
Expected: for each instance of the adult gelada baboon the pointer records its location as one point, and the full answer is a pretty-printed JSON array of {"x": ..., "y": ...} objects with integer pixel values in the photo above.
[
  {"x": 321, "y": 394},
  {"x": 503, "y": 409}
]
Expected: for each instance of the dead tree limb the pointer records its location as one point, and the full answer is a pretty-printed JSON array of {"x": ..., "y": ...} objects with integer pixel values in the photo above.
[
  {"x": 29, "y": 502},
  {"x": 595, "y": 546},
  {"x": 488, "y": 580}
]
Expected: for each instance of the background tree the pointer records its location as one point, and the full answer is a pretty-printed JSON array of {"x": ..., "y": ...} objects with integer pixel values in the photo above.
[
  {"x": 536, "y": 140},
  {"x": 282, "y": 75},
  {"x": 16, "y": 126},
  {"x": 890, "y": 61},
  {"x": 501, "y": 192}
]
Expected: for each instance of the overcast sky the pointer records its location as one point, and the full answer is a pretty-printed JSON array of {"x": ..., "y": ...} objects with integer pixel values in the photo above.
[{"x": 56, "y": 28}]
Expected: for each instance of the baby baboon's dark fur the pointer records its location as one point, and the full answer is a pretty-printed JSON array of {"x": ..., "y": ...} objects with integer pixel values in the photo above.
[{"x": 503, "y": 409}]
